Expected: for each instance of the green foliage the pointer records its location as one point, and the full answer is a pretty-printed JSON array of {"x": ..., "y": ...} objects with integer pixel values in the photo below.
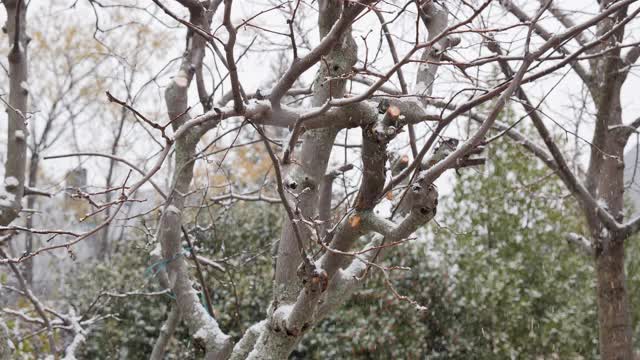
[
  {"x": 521, "y": 288},
  {"x": 137, "y": 319}
]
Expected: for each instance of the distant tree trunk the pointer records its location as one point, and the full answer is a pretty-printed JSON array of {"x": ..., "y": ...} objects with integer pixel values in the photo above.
[
  {"x": 104, "y": 246},
  {"x": 31, "y": 202},
  {"x": 17, "y": 110}
]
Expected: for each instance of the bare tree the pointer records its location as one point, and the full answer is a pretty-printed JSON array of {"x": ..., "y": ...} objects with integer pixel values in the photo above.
[
  {"x": 600, "y": 193},
  {"x": 319, "y": 261},
  {"x": 305, "y": 288}
]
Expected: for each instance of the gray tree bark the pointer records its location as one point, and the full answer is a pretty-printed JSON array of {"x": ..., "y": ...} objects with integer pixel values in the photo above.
[
  {"x": 12, "y": 191},
  {"x": 11, "y": 197},
  {"x": 203, "y": 327}
]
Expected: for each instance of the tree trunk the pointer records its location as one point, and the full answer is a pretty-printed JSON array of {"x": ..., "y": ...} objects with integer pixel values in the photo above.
[
  {"x": 31, "y": 203},
  {"x": 605, "y": 181},
  {"x": 614, "y": 317},
  {"x": 15, "y": 165},
  {"x": 105, "y": 246},
  {"x": 616, "y": 341}
]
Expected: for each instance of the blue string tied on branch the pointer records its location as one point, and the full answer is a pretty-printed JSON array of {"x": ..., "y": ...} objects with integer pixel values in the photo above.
[{"x": 160, "y": 265}]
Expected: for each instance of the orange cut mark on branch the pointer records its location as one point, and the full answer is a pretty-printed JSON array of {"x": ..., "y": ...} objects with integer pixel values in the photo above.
[
  {"x": 393, "y": 111},
  {"x": 354, "y": 221}
]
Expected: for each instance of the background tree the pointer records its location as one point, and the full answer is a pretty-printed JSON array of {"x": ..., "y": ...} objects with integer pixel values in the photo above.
[{"x": 601, "y": 192}]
